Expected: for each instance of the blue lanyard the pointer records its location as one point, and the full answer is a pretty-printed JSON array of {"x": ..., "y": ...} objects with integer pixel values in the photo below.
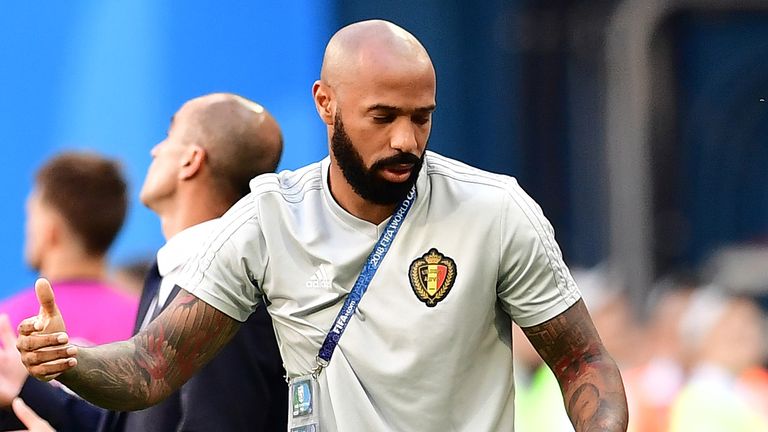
[{"x": 363, "y": 280}]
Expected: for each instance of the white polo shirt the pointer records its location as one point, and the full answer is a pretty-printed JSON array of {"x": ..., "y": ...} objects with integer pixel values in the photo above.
[{"x": 429, "y": 347}]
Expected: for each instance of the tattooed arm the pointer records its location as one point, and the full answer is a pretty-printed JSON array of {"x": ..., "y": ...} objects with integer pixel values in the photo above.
[
  {"x": 589, "y": 378},
  {"x": 142, "y": 371}
]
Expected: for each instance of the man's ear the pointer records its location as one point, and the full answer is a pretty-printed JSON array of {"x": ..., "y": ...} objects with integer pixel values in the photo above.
[
  {"x": 192, "y": 161},
  {"x": 324, "y": 101},
  {"x": 54, "y": 229}
]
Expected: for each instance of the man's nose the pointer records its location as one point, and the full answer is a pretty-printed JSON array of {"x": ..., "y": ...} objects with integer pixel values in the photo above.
[{"x": 404, "y": 138}]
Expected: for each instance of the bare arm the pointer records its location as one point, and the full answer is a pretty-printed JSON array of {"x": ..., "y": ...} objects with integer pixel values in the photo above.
[
  {"x": 589, "y": 378},
  {"x": 145, "y": 369}
]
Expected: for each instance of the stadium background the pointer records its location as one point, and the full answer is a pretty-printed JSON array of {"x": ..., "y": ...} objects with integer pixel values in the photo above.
[{"x": 640, "y": 126}]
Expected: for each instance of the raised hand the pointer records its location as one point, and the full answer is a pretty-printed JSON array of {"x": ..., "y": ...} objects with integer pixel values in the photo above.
[
  {"x": 42, "y": 339},
  {"x": 12, "y": 372}
]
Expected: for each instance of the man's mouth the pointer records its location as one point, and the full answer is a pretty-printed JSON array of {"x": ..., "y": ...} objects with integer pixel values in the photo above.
[{"x": 397, "y": 173}]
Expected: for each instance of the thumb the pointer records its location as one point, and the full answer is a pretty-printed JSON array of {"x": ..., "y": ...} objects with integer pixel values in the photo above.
[{"x": 45, "y": 297}]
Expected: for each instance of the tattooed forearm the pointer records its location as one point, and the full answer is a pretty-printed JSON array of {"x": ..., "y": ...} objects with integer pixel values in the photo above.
[
  {"x": 589, "y": 378},
  {"x": 144, "y": 370}
]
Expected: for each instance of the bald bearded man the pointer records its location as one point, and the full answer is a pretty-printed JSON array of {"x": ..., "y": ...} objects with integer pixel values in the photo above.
[{"x": 447, "y": 256}]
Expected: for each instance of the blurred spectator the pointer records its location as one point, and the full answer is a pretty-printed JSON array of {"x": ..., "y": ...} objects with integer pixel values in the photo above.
[
  {"x": 741, "y": 269},
  {"x": 74, "y": 212},
  {"x": 754, "y": 382},
  {"x": 653, "y": 385},
  {"x": 725, "y": 337},
  {"x": 614, "y": 315},
  {"x": 538, "y": 400}
]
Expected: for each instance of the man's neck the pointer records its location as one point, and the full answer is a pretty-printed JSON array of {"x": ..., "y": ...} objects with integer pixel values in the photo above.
[
  {"x": 353, "y": 203},
  {"x": 74, "y": 266},
  {"x": 172, "y": 224},
  {"x": 188, "y": 211}
]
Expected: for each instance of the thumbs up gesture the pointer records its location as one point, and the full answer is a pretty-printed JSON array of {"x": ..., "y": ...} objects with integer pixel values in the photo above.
[
  {"x": 43, "y": 341},
  {"x": 49, "y": 319}
]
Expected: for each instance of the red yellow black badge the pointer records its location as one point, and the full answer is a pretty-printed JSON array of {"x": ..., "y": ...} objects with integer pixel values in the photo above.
[{"x": 432, "y": 277}]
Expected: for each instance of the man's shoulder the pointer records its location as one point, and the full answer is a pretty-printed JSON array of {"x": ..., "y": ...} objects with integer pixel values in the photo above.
[
  {"x": 66, "y": 289},
  {"x": 451, "y": 173},
  {"x": 72, "y": 295},
  {"x": 113, "y": 299},
  {"x": 112, "y": 292}
]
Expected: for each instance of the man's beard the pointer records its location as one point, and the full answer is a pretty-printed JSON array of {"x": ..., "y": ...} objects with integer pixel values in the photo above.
[{"x": 367, "y": 182}]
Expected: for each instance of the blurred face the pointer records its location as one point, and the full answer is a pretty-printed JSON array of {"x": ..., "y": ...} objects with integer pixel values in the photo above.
[
  {"x": 381, "y": 127},
  {"x": 167, "y": 161},
  {"x": 739, "y": 336},
  {"x": 38, "y": 230},
  {"x": 617, "y": 330}
]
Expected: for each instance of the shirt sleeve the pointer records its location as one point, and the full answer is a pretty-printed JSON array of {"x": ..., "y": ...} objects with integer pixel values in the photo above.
[
  {"x": 534, "y": 284},
  {"x": 228, "y": 269}
]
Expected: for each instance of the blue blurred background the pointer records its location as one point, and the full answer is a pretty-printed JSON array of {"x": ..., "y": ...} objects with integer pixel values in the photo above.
[{"x": 527, "y": 88}]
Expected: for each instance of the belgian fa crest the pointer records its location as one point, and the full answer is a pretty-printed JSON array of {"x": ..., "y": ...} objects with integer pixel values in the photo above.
[{"x": 432, "y": 277}]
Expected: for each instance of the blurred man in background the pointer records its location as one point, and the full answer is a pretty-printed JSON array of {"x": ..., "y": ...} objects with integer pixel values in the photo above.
[
  {"x": 539, "y": 399},
  {"x": 654, "y": 383},
  {"x": 215, "y": 145},
  {"x": 74, "y": 212},
  {"x": 724, "y": 337}
]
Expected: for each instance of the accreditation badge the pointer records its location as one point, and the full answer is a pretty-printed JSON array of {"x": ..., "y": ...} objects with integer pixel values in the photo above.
[{"x": 303, "y": 405}]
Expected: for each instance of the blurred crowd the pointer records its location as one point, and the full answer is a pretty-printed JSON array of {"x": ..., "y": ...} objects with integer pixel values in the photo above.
[{"x": 693, "y": 357}]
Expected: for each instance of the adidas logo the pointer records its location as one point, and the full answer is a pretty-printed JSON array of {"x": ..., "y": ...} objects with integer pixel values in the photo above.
[{"x": 320, "y": 279}]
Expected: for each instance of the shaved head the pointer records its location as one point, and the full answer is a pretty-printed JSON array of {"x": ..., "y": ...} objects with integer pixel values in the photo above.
[
  {"x": 241, "y": 139},
  {"x": 370, "y": 45},
  {"x": 376, "y": 95}
]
